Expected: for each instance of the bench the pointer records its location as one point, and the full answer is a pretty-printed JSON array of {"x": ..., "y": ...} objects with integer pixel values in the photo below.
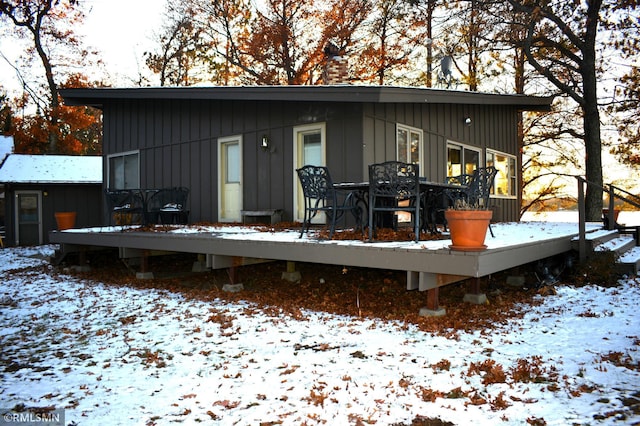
[{"x": 269, "y": 216}]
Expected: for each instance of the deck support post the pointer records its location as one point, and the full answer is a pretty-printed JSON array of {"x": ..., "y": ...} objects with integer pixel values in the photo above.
[
  {"x": 232, "y": 271},
  {"x": 291, "y": 274},
  {"x": 474, "y": 294},
  {"x": 144, "y": 273},
  {"x": 431, "y": 283},
  {"x": 82, "y": 265},
  {"x": 200, "y": 265},
  {"x": 433, "y": 308}
]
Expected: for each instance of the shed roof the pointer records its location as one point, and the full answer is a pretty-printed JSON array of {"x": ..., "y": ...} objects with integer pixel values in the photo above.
[
  {"x": 331, "y": 93},
  {"x": 6, "y": 146},
  {"x": 25, "y": 168}
]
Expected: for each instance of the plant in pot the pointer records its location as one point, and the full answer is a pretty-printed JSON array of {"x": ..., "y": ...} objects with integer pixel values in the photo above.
[{"x": 468, "y": 224}]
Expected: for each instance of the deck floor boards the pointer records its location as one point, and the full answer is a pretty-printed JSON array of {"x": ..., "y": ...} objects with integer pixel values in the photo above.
[{"x": 514, "y": 244}]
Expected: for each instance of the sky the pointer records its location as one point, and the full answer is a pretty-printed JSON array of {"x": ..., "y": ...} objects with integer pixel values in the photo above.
[
  {"x": 124, "y": 355},
  {"x": 121, "y": 31}
]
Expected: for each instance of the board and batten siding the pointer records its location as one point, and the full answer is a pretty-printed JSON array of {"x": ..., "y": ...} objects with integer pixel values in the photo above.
[
  {"x": 177, "y": 141},
  {"x": 84, "y": 199},
  {"x": 492, "y": 127}
]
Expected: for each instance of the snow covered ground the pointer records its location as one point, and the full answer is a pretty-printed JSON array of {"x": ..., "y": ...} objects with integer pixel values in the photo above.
[{"x": 123, "y": 356}]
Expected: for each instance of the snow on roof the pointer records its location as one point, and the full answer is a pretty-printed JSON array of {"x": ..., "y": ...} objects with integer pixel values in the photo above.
[
  {"x": 6, "y": 146},
  {"x": 23, "y": 168}
]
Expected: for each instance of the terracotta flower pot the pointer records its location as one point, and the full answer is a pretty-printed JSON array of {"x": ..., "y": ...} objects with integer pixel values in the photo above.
[
  {"x": 468, "y": 228},
  {"x": 65, "y": 220}
]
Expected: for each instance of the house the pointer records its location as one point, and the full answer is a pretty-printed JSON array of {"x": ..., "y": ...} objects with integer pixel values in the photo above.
[
  {"x": 237, "y": 148},
  {"x": 37, "y": 186}
]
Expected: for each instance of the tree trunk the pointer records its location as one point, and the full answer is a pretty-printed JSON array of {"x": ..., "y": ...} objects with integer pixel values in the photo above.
[
  {"x": 593, "y": 164},
  {"x": 593, "y": 145},
  {"x": 36, "y": 31},
  {"x": 430, "y": 7}
]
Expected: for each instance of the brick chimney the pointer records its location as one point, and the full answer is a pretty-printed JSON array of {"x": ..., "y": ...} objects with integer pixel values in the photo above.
[{"x": 336, "y": 70}]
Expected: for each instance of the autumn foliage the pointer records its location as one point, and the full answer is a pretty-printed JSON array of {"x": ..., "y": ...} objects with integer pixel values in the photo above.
[
  {"x": 76, "y": 130},
  {"x": 45, "y": 28}
]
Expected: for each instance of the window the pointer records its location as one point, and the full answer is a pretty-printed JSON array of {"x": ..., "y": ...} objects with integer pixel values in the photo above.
[
  {"x": 309, "y": 148},
  {"x": 230, "y": 190},
  {"x": 408, "y": 144},
  {"x": 232, "y": 155},
  {"x": 506, "y": 182},
  {"x": 461, "y": 159},
  {"x": 124, "y": 170}
]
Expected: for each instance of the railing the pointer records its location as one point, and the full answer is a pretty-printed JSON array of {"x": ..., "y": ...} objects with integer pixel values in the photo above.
[{"x": 610, "y": 222}]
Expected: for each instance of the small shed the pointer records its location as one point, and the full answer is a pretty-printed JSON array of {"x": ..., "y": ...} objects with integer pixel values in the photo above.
[{"x": 38, "y": 186}]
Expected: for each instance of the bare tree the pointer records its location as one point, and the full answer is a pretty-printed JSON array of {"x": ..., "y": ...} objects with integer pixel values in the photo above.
[
  {"x": 468, "y": 41},
  {"x": 47, "y": 25},
  {"x": 181, "y": 48},
  {"x": 394, "y": 29},
  {"x": 560, "y": 44},
  {"x": 625, "y": 106}
]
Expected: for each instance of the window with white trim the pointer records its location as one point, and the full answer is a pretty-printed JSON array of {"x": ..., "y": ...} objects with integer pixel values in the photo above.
[
  {"x": 462, "y": 159},
  {"x": 124, "y": 170},
  {"x": 506, "y": 182},
  {"x": 409, "y": 144}
]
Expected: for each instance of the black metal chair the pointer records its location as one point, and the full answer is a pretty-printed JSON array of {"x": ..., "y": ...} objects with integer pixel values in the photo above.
[
  {"x": 477, "y": 188},
  {"x": 126, "y": 206},
  {"x": 168, "y": 206},
  {"x": 321, "y": 196},
  {"x": 390, "y": 184},
  {"x": 435, "y": 203}
]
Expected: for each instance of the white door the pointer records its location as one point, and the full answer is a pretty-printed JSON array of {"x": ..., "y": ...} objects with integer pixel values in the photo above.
[
  {"x": 28, "y": 214},
  {"x": 230, "y": 179},
  {"x": 309, "y": 149}
]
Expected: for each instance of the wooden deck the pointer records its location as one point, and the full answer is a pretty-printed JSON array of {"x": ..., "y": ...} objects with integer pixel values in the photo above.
[{"x": 429, "y": 264}]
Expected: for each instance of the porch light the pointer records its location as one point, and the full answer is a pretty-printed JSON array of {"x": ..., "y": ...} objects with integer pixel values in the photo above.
[
  {"x": 265, "y": 142},
  {"x": 467, "y": 121}
]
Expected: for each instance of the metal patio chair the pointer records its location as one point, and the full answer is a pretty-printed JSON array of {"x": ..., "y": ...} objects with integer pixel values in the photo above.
[
  {"x": 321, "y": 196},
  {"x": 126, "y": 206},
  {"x": 168, "y": 206},
  {"x": 477, "y": 188},
  {"x": 390, "y": 184}
]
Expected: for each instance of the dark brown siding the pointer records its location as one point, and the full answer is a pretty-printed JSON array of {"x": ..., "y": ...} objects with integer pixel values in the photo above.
[
  {"x": 493, "y": 127},
  {"x": 85, "y": 200},
  {"x": 177, "y": 140}
]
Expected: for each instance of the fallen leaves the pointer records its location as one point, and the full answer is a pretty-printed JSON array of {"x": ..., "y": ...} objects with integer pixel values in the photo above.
[
  {"x": 127, "y": 320},
  {"x": 316, "y": 398},
  {"x": 288, "y": 370},
  {"x": 226, "y": 404},
  {"x": 150, "y": 357},
  {"x": 491, "y": 371}
]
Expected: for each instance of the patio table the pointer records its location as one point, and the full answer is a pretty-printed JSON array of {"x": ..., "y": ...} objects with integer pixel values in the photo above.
[{"x": 432, "y": 194}]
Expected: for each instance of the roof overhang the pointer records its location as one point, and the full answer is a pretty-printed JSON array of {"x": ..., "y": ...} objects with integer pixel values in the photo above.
[{"x": 97, "y": 97}]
